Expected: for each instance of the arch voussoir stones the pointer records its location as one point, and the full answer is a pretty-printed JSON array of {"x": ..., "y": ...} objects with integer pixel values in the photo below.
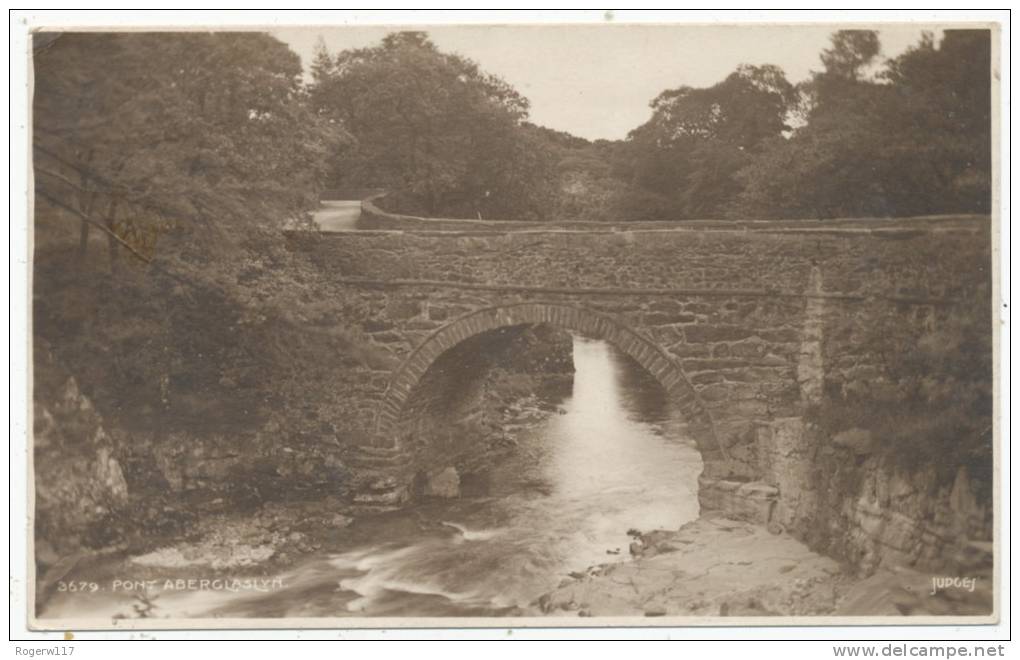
[{"x": 568, "y": 317}]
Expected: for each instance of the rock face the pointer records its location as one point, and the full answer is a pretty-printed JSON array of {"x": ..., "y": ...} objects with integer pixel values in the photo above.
[
  {"x": 899, "y": 590},
  {"x": 710, "y": 567},
  {"x": 864, "y": 508},
  {"x": 100, "y": 486},
  {"x": 858, "y": 441},
  {"x": 445, "y": 484},
  {"x": 78, "y": 478},
  {"x": 720, "y": 567},
  {"x": 747, "y": 501}
]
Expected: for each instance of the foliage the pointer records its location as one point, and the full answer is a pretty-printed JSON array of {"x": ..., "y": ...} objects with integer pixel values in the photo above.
[
  {"x": 433, "y": 126},
  {"x": 915, "y": 139},
  {"x": 196, "y": 135},
  {"x": 590, "y": 184},
  {"x": 851, "y": 51},
  {"x": 698, "y": 139},
  {"x": 861, "y": 137},
  {"x": 935, "y": 397},
  {"x": 192, "y": 152}
]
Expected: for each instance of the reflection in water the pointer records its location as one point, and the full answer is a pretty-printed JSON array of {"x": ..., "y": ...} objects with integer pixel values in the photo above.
[{"x": 565, "y": 500}]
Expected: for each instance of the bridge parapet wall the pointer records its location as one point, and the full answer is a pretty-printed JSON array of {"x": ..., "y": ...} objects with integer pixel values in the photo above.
[{"x": 374, "y": 217}]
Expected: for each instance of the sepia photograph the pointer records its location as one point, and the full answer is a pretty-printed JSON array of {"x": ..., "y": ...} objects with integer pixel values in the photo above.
[{"x": 513, "y": 325}]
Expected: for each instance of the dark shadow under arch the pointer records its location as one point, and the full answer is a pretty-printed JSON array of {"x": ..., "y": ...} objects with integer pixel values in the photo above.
[{"x": 565, "y": 316}]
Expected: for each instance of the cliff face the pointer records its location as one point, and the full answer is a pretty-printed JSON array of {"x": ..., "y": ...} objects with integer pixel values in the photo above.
[
  {"x": 101, "y": 485},
  {"x": 78, "y": 477},
  {"x": 845, "y": 498}
]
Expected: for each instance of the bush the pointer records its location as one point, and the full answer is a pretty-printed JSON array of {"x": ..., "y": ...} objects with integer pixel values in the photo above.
[{"x": 934, "y": 404}]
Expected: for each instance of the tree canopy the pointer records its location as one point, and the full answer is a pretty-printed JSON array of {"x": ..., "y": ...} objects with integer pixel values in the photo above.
[
  {"x": 147, "y": 135},
  {"x": 189, "y": 153},
  {"x": 150, "y": 135},
  {"x": 698, "y": 139},
  {"x": 861, "y": 137},
  {"x": 433, "y": 127},
  {"x": 913, "y": 139}
]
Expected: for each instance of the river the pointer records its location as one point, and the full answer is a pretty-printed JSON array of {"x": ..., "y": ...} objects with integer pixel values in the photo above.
[{"x": 609, "y": 460}]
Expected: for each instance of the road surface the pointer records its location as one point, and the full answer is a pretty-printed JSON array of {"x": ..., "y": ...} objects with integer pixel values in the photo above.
[{"x": 337, "y": 215}]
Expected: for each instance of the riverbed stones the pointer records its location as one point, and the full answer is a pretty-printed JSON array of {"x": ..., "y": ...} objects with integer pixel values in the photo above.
[
  {"x": 340, "y": 521},
  {"x": 381, "y": 499}
]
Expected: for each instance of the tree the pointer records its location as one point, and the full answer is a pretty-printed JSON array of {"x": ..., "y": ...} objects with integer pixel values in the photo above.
[
  {"x": 697, "y": 139},
  {"x": 942, "y": 112},
  {"x": 322, "y": 62},
  {"x": 913, "y": 139},
  {"x": 434, "y": 127},
  {"x": 149, "y": 136},
  {"x": 850, "y": 53},
  {"x": 190, "y": 152},
  {"x": 745, "y": 109}
]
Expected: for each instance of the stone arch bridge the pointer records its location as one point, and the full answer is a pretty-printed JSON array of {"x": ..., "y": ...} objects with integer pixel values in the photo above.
[{"x": 745, "y": 324}]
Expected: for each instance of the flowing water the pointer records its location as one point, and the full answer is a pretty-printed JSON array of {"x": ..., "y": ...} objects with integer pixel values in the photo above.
[{"x": 609, "y": 461}]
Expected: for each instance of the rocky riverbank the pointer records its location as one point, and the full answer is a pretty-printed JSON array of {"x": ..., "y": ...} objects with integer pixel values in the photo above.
[
  {"x": 256, "y": 543},
  {"x": 709, "y": 567},
  {"x": 720, "y": 567},
  {"x": 99, "y": 517}
]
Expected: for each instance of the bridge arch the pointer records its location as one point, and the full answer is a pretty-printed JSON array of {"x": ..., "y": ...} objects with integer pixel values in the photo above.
[{"x": 569, "y": 317}]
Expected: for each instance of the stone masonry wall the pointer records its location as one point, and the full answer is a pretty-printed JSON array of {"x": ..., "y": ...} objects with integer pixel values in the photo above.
[{"x": 759, "y": 319}]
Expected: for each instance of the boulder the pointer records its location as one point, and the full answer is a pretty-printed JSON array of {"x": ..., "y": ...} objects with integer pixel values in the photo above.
[{"x": 339, "y": 521}]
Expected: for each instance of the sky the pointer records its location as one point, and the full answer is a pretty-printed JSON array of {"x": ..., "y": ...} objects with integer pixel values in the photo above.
[{"x": 596, "y": 81}]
